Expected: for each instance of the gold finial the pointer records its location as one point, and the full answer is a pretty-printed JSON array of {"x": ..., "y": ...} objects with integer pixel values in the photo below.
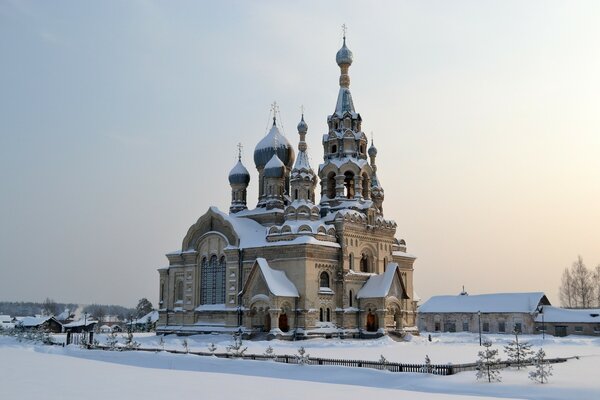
[
  {"x": 344, "y": 29},
  {"x": 371, "y": 138},
  {"x": 302, "y": 110},
  {"x": 240, "y": 146}
]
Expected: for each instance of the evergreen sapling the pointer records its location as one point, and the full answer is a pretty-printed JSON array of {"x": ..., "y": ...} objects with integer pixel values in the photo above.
[
  {"x": 488, "y": 366},
  {"x": 518, "y": 352},
  {"x": 543, "y": 369}
]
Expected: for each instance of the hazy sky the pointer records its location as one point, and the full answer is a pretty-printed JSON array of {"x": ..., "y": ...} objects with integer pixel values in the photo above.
[{"x": 118, "y": 125}]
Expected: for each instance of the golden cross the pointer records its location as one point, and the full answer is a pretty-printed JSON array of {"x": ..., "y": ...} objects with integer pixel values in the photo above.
[{"x": 344, "y": 29}]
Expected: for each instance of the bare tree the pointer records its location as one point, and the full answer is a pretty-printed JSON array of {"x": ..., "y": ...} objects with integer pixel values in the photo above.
[
  {"x": 49, "y": 307},
  {"x": 566, "y": 290},
  {"x": 596, "y": 284},
  {"x": 582, "y": 283}
]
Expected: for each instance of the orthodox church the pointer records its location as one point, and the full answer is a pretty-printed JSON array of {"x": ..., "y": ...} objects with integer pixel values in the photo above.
[{"x": 292, "y": 267}]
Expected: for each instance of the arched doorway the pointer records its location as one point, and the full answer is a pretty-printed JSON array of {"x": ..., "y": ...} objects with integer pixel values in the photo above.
[
  {"x": 371, "y": 322},
  {"x": 364, "y": 263},
  {"x": 283, "y": 322}
]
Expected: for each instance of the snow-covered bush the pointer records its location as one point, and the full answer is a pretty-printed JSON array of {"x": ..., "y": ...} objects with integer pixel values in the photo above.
[
  {"x": 488, "y": 366},
  {"x": 237, "y": 349},
  {"x": 427, "y": 368},
  {"x": 543, "y": 369},
  {"x": 518, "y": 352},
  {"x": 112, "y": 340},
  {"x": 269, "y": 352},
  {"x": 302, "y": 356},
  {"x": 130, "y": 343},
  {"x": 212, "y": 348}
]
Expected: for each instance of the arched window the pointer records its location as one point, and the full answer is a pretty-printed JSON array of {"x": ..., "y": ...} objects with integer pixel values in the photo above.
[
  {"x": 364, "y": 263},
  {"x": 295, "y": 194},
  {"x": 350, "y": 298},
  {"x": 328, "y": 315},
  {"x": 385, "y": 263},
  {"x": 334, "y": 148},
  {"x": 366, "y": 186},
  {"x": 212, "y": 287},
  {"x": 162, "y": 291},
  {"x": 331, "y": 185},
  {"x": 179, "y": 292},
  {"x": 351, "y": 261},
  {"x": 321, "y": 314},
  {"x": 349, "y": 184},
  {"x": 362, "y": 148},
  {"x": 324, "y": 279}
]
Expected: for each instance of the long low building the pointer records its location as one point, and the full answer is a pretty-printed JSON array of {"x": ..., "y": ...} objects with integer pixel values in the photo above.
[
  {"x": 488, "y": 313},
  {"x": 562, "y": 321}
]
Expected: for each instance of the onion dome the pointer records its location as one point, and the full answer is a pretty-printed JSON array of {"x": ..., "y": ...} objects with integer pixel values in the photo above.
[
  {"x": 372, "y": 150},
  {"x": 275, "y": 168},
  {"x": 302, "y": 126},
  {"x": 273, "y": 143},
  {"x": 344, "y": 55},
  {"x": 239, "y": 174}
]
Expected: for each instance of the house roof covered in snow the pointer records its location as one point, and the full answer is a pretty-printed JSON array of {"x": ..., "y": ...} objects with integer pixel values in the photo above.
[
  {"x": 152, "y": 316},
  {"x": 486, "y": 303},
  {"x": 556, "y": 314},
  {"x": 81, "y": 322},
  {"x": 28, "y": 322},
  {"x": 277, "y": 281}
]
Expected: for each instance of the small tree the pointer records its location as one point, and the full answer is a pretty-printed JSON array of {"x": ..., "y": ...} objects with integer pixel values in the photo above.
[
  {"x": 302, "y": 356},
  {"x": 518, "y": 352},
  {"x": 185, "y": 345},
  {"x": 212, "y": 348},
  {"x": 488, "y": 363},
  {"x": 237, "y": 349},
  {"x": 543, "y": 369},
  {"x": 130, "y": 343},
  {"x": 112, "y": 340},
  {"x": 161, "y": 342},
  {"x": 269, "y": 352},
  {"x": 427, "y": 368},
  {"x": 383, "y": 361}
]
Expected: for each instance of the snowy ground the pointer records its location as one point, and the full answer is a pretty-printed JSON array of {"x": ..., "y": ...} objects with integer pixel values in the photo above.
[{"x": 73, "y": 373}]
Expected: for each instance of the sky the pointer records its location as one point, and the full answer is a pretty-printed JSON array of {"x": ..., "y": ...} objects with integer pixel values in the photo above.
[{"x": 119, "y": 122}]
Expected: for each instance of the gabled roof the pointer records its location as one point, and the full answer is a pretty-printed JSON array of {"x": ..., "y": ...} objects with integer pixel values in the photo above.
[
  {"x": 277, "y": 281},
  {"x": 486, "y": 303},
  {"x": 380, "y": 285},
  {"x": 28, "y": 322},
  {"x": 556, "y": 314},
  {"x": 81, "y": 322}
]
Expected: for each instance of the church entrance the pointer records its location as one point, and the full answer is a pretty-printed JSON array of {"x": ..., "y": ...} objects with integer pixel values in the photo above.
[
  {"x": 371, "y": 322},
  {"x": 283, "y": 323}
]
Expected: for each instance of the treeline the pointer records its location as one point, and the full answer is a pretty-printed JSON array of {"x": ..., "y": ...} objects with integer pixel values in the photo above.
[
  {"x": 580, "y": 286},
  {"x": 100, "y": 312},
  {"x": 25, "y": 308},
  {"x": 50, "y": 307}
]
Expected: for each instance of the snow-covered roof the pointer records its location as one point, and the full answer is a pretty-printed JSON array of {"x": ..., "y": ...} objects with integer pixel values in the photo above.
[
  {"x": 486, "y": 303},
  {"x": 64, "y": 315},
  {"x": 556, "y": 314},
  {"x": 378, "y": 285},
  {"x": 152, "y": 315},
  {"x": 277, "y": 281},
  {"x": 33, "y": 321},
  {"x": 81, "y": 322}
]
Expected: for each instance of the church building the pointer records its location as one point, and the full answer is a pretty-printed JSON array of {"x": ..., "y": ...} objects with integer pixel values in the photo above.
[{"x": 291, "y": 267}]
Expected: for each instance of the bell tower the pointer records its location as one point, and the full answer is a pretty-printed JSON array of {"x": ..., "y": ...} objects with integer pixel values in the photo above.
[{"x": 346, "y": 174}]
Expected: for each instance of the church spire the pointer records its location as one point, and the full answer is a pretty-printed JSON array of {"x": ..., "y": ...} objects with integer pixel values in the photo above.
[{"x": 344, "y": 58}]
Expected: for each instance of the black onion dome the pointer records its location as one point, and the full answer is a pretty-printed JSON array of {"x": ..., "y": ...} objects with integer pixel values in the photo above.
[
  {"x": 239, "y": 174},
  {"x": 274, "y": 168},
  {"x": 274, "y": 143}
]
